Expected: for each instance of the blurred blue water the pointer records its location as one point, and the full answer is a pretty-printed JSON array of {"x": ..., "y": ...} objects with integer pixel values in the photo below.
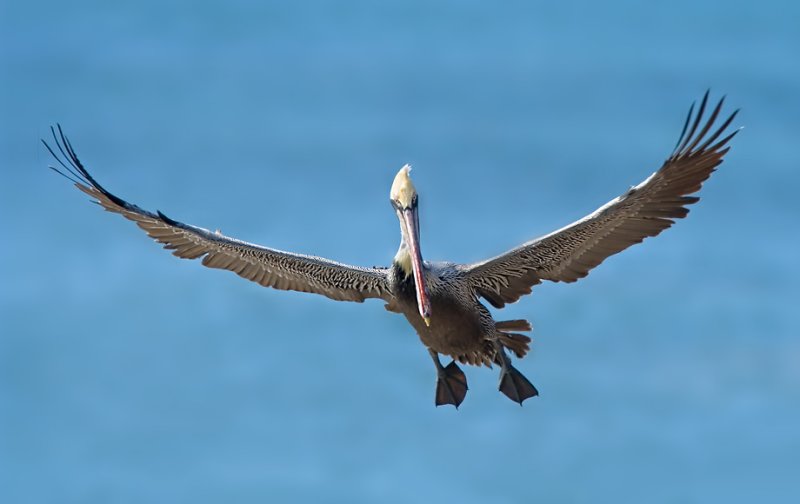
[{"x": 670, "y": 374}]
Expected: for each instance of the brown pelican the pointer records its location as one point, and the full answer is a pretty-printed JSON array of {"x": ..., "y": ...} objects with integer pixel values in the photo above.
[{"x": 442, "y": 300}]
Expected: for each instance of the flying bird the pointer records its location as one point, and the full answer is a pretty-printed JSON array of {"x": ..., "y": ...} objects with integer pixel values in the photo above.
[{"x": 443, "y": 300}]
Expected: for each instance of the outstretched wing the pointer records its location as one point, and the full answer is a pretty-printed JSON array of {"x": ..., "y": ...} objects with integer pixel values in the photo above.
[
  {"x": 268, "y": 267},
  {"x": 645, "y": 210}
]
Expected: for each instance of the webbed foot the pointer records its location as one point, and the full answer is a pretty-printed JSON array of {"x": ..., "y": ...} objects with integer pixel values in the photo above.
[
  {"x": 451, "y": 386},
  {"x": 515, "y": 386}
]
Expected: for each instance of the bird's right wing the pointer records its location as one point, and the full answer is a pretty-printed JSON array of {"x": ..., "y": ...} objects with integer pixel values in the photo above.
[
  {"x": 266, "y": 266},
  {"x": 645, "y": 210}
]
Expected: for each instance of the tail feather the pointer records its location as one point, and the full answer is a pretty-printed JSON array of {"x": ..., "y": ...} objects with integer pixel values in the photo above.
[
  {"x": 513, "y": 325},
  {"x": 517, "y": 343}
]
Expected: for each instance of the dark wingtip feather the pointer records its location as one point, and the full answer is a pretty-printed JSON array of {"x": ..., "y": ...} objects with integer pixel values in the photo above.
[
  {"x": 690, "y": 139},
  {"x": 722, "y": 142},
  {"x": 75, "y": 168},
  {"x": 69, "y": 169},
  {"x": 700, "y": 111},
  {"x": 710, "y": 122},
  {"x": 719, "y": 131},
  {"x": 685, "y": 125},
  {"x": 74, "y": 181}
]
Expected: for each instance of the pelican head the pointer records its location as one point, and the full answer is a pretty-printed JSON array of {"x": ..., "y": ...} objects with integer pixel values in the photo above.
[{"x": 409, "y": 258}]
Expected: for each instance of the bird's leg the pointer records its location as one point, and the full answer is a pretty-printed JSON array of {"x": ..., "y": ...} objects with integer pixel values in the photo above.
[
  {"x": 512, "y": 383},
  {"x": 451, "y": 383}
]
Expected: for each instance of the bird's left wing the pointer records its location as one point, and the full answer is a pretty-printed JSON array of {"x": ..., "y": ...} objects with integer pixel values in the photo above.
[
  {"x": 644, "y": 210},
  {"x": 266, "y": 266}
]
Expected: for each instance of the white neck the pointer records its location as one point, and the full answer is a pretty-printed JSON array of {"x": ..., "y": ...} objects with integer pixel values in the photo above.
[{"x": 403, "y": 259}]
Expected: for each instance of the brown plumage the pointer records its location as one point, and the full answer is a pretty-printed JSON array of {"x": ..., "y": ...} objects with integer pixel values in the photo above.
[{"x": 442, "y": 300}]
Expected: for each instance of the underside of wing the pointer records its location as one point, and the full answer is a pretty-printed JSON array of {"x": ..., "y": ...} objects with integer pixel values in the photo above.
[
  {"x": 266, "y": 266},
  {"x": 644, "y": 210}
]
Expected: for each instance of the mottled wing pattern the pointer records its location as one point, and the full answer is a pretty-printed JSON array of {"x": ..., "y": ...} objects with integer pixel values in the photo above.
[
  {"x": 645, "y": 210},
  {"x": 266, "y": 266}
]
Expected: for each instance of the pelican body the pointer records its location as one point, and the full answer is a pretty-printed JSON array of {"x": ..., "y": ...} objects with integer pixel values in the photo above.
[{"x": 443, "y": 301}]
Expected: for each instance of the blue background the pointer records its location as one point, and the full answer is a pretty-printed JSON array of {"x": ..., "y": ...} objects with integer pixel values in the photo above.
[{"x": 670, "y": 374}]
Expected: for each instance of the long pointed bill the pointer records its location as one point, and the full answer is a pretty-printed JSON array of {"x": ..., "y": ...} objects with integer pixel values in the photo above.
[{"x": 412, "y": 234}]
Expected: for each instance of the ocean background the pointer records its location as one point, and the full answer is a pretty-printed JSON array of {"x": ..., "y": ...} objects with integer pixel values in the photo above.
[{"x": 670, "y": 374}]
